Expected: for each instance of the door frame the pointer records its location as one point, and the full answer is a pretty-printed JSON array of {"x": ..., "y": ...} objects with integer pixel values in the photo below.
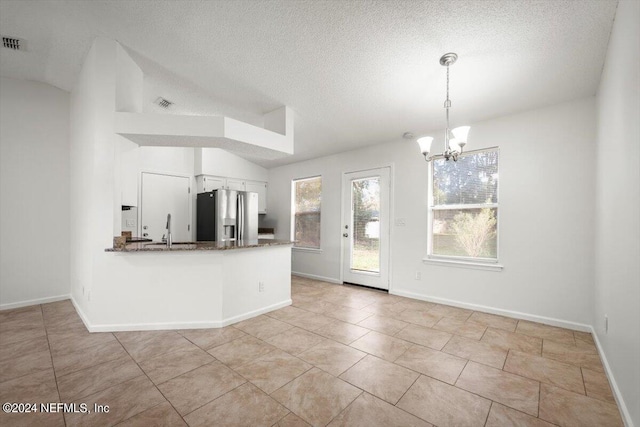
[
  {"x": 391, "y": 217},
  {"x": 192, "y": 202}
]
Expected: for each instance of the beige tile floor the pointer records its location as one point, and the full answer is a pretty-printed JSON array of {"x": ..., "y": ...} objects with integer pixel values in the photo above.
[{"x": 339, "y": 356}]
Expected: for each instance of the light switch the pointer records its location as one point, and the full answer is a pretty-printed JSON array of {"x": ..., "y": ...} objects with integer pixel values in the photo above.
[{"x": 131, "y": 223}]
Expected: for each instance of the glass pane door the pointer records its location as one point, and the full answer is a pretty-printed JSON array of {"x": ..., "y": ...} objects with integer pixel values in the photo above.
[
  {"x": 365, "y": 220},
  {"x": 365, "y": 227}
]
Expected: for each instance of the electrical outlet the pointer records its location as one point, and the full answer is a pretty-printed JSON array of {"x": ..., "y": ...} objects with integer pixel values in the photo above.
[
  {"x": 131, "y": 223},
  {"x": 260, "y": 286},
  {"x": 418, "y": 275},
  {"x": 606, "y": 324}
]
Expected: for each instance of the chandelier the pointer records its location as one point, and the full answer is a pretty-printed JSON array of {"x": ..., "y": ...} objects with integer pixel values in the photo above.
[{"x": 454, "y": 139}]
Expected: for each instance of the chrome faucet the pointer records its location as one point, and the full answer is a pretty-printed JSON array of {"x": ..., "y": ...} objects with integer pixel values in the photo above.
[{"x": 168, "y": 239}]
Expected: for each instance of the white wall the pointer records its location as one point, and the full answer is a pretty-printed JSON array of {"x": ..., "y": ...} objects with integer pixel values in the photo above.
[
  {"x": 168, "y": 160},
  {"x": 218, "y": 162},
  {"x": 546, "y": 215},
  {"x": 95, "y": 183},
  {"x": 34, "y": 192},
  {"x": 617, "y": 284}
]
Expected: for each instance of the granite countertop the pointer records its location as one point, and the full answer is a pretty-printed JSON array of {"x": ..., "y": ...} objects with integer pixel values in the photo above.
[{"x": 198, "y": 246}]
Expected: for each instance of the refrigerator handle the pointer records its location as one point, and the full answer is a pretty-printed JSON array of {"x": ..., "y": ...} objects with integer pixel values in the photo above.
[
  {"x": 244, "y": 213},
  {"x": 240, "y": 217}
]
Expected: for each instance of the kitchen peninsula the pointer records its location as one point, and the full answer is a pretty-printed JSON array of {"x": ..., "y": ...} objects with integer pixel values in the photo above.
[
  {"x": 147, "y": 286},
  {"x": 199, "y": 246}
]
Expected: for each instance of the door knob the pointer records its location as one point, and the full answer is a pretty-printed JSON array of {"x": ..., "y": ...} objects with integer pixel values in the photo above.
[
  {"x": 145, "y": 234},
  {"x": 145, "y": 227},
  {"x": 345, "y": 235}
]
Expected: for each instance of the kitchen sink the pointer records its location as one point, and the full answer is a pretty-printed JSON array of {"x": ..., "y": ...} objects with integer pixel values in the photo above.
[{"x": 175, "y": 245}]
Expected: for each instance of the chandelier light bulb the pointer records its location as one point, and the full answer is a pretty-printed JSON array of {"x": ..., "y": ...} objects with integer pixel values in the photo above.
[
  {"x": 425, "y": 144},
  {"x": 454, "y": 144},
  {"x": 460, "y": 133}
]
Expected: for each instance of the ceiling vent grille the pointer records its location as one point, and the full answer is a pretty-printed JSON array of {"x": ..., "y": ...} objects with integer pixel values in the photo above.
[
  {"x": 12, "y": 43},
  {"x": 164, "y": 103}
]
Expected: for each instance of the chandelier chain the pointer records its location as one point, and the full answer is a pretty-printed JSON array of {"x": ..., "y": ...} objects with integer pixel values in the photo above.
[
  {"x": 447, "y": 85},
  {"x": 447, "y": 104}
]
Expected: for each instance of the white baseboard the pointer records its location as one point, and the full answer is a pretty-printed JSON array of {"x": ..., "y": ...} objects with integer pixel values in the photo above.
[
  {"x": 624, "y": 411},
  {"x": 83, "y": 316},
  {"x": 254, "y": 313},
  {"x": 175, "y": 325},
  {"x": 33, "y": 302},
  {"x": 313, "y": 276},
  {"x": 502, "y": 312}
]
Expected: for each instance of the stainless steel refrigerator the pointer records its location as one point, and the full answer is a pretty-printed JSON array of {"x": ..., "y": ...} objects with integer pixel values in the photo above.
[{"x": 227, "y": 215}]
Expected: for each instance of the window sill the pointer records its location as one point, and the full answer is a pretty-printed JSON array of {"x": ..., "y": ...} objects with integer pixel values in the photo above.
[
  {"x": 463, "y": 264},
  {"x": 311, "y": 250}
]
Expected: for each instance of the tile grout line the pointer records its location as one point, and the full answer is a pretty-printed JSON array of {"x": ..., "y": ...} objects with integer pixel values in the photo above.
[
  {"x": 584, "y": 384},
  {"x": 285, "y": 416},
  {"x": 212, "y": 400},
  {"x": 486, "y": 420},
  {"x": 484, "y": 332},
  {"x": 539, "y": 398},
  {"x": 55, "y": 377},
  {"x": 33, "y": 372},
  {"x": 315, "y": 367},
  {"x": 206, "y": 350},
  {"x": 152, "y": 383},
  {"x": 491, "y": 400},
  {"x": 505, "y": 360},
  {"x": 461, "y": 371},
  {"x": 85, "y": 348},
  {"x": 345, "y": 408},
  {"x": 223, "y": 364},
  {"x": 504, "y": 404},
  {"x": 406, "y": 391},
  {"x": 237, "y": 373},
  {"x": 127, "y": 419}
]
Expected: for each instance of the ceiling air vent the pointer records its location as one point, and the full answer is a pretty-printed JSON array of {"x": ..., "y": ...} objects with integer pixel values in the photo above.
[
  {"x": 12, "y": 43},
  {"x": 164, "y": 103}
]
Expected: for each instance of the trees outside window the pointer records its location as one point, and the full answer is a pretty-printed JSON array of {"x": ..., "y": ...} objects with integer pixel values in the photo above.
[
  {"x": 306, "y": 207},
  {"x": 464, "y": 207}
]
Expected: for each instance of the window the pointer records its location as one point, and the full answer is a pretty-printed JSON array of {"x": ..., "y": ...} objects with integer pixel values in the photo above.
[
  {"x": 463, "y": 208},
  {"x": 307, "y": 198}
]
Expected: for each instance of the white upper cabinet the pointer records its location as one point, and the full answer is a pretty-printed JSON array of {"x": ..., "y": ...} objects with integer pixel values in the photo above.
[
  {"x": 206, "y": 183},
  {"x": 210, "y": 183},
  {"x": 260, "y": 188},
  {"x": 235, "y": 184}
]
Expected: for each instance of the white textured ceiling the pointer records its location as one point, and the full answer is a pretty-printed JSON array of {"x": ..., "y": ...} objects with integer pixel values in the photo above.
[{"x": 354, "y": 72}]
